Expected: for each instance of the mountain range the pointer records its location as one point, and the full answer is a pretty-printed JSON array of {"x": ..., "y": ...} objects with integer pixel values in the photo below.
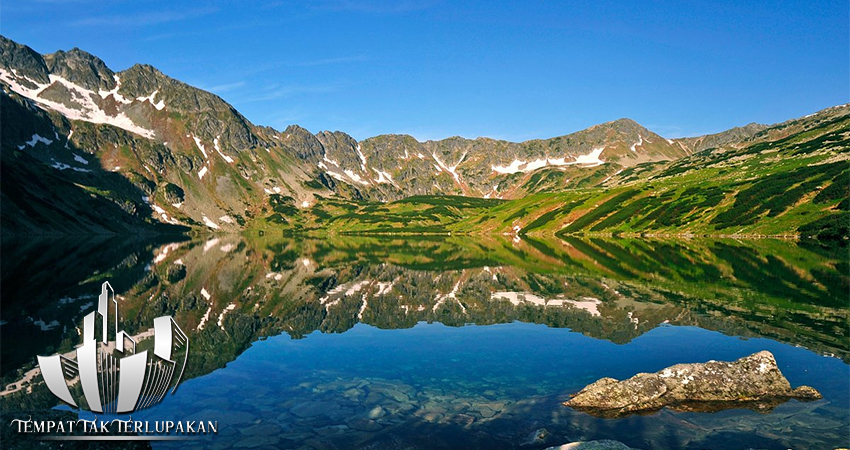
[{"x": 86, "y": 149}]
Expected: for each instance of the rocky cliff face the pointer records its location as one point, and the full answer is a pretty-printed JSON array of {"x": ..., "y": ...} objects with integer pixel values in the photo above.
[{"x": 83, "y": 121}]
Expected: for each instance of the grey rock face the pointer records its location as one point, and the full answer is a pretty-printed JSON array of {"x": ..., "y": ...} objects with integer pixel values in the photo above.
[
  {"x": 81, "y": 68},
  {"x": 754, "y": 381},
  {"x": 305, "y": 144},
  {"x": 24, "y": 60},
  {"x": 209, "y": 117},
  {"x": 340, "y": 147}
]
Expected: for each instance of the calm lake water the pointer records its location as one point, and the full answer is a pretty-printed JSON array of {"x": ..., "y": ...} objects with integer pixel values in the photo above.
[{"x": 401, "y": 343}]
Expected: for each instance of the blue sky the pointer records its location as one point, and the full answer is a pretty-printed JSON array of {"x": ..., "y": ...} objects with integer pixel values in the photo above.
[{"x": 504, "y": 69}]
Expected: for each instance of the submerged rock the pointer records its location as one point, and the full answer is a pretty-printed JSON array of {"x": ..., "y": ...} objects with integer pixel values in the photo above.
[
  {"x": 753, "y": 382},
  {"x": 537, "y": 437}
]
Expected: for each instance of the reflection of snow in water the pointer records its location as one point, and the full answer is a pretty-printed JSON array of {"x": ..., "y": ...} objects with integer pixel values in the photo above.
[
  {"x": 451, "y": 295},
  {"x": 588, "y": 304},
  {"x": 163, "y": 253},
  {"x": 45, "y": 326}
]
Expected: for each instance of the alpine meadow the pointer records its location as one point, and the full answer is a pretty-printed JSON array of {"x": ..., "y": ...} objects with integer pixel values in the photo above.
[{"x": 536, "y": 225}]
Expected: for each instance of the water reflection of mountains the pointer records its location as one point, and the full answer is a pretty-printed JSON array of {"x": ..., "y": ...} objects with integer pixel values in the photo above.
[{"x": 228, "y": 291}]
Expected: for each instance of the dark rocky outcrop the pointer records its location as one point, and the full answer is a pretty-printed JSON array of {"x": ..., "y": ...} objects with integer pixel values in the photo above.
[
  {"x": 26, "y": 61},
  {"x": 753, "y": 382}
]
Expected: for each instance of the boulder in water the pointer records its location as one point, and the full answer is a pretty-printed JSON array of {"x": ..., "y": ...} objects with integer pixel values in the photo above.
[{"x": 753, "y": 382}]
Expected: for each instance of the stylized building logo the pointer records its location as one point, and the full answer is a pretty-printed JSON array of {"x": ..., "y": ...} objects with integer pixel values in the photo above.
[{"x": 113, "y": 384}]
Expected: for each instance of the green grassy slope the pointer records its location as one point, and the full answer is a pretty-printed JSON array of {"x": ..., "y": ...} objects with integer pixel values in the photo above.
[
  {"x": 791, "y": 180},
  {"x": 798, "y": 184}
]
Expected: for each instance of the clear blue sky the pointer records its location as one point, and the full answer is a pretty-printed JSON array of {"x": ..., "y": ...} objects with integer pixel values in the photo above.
[{"x": 505, "y": 69}]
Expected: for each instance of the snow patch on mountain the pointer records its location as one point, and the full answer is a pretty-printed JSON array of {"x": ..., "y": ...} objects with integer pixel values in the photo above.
[
  {"x": 87, "y": 110},
  {"x": 226, "y": 310},
  {"x": 150, "y": 98},
  {"x": 362, "y": 159},
  {"x": 164, "y": 216},
  {"x": 205, "y": 318},
  {"x": 200, "y": 145},
  {"x": 114, "y": 92},
  {"x": 536, "y": 164},
  {"x": 35, "y": 140},
  {"x": 62, "y": 166},
  {"x": 329, "y": 161},
  {"x": 218, "y": 149},
  {"x": 591, "y": 159},
  {"x": 637, "y": 144},
  {"x": 383, "y": 177},
  {"x": 336, "y": 176},
  {"x": 450, "y": 169},
  {"x": 356, "y": 178},
  {"x": 210, "y": 223},
  {"x": 513, "y": 167}
]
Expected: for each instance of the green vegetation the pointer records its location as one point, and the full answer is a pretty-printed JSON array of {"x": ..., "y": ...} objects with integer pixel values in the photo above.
[
  {"x": 793, "y": 181},
  {"x": 775, "y": 193}
]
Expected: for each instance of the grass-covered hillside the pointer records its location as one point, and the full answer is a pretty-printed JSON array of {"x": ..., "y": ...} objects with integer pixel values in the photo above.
[{"x": 791, "y": 179}]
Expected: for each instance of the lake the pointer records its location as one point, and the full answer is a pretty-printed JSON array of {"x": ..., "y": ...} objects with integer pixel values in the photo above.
[{"x": 447, "y": 342}]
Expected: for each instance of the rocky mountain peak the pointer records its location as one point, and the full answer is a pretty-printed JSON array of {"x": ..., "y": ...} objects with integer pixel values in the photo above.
[
  {"x": 24, "y": 61},
  {"x": 623, "y": 122},
  {"x": 624, "y": 126},
  {"x": 342, "y": 149},
  {"x": 81, "y": 68},
  {"x": 305, "y": 144},
  {"x": 336, "y": 139}
]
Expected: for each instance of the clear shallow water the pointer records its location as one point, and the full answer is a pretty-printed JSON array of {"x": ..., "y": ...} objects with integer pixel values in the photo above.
[
  {"x": 366, "y": 343},
  {"x": 488, "y": 387}
]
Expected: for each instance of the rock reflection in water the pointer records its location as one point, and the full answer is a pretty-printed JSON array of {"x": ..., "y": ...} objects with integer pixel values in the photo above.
[{"x": 228, "y": 292}]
